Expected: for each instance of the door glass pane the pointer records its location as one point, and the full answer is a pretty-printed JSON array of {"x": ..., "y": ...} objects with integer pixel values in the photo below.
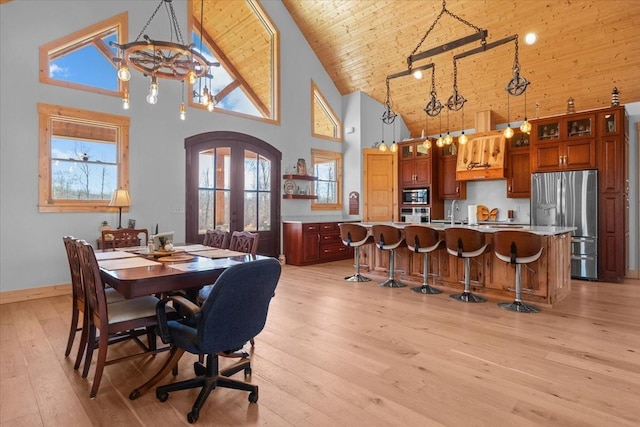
[
  {"x": 250, "y": 211},
  {"x": 250, "y": 170},
  {"x": 223, "y": 210},
  {"x": 205, "y": 210},
  {"x": 264, "y": 174},
  {"x": 264, "y": 211}
]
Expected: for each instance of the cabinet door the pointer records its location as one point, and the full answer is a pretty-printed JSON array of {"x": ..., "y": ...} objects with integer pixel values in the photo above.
[
  {"x": 449, "y": 188},
  {"x": 518, "y": 175},
  {"x": 580, "y": 154},
  {"x": 310, "y": 242},
  {"x": 610, "y": 159},
  {"x": 547, "y": 157},
  {"x": 423, "y": 170},
  {"x": 407, "y": 173}
]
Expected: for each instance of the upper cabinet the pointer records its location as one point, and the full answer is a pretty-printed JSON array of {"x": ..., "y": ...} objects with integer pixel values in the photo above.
[
  {"x": 518, "y": 172},
  {"x": 563, "y": 143},
  {"x": 415, "y": 164},
  {"x": 448, "y": 187}
]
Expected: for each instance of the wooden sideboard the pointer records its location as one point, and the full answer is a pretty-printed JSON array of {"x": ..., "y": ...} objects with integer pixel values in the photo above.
[{"x": 307, "y": 243}]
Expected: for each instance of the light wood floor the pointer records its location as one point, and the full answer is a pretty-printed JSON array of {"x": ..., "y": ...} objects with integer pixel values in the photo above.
[{"x": 353, "y": 354}]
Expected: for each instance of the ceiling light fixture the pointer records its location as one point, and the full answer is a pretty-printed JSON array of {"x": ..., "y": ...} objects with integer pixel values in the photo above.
[
  {"x": 525, "y": 127},
  {"x": 161, "y": 59}
]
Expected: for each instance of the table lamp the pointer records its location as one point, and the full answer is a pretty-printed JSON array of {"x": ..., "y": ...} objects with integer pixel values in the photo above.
[{"x": 120, "y": 199}]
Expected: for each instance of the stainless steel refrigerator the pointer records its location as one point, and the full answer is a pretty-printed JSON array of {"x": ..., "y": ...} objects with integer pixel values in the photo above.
[{"x": 570, "y": 199}]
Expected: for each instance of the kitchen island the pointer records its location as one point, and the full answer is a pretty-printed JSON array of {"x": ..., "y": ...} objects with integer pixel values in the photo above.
[{"x": 545, "y": 281}]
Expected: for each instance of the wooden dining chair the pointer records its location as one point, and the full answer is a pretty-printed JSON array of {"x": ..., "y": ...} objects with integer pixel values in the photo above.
[
  {"x": 124, "y": 238},
  {"x": 124, "y": 320},
  {"x": 244, "y": 241},
  {"x": 217, "y": 238},
  {"x": 78, "y": 298}
]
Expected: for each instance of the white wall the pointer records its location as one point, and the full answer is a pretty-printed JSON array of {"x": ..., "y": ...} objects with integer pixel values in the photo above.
[{"x": 31, "y": 249}]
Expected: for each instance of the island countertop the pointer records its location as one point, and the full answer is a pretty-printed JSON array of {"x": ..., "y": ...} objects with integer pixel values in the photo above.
[{"x": 541, "y": 230}]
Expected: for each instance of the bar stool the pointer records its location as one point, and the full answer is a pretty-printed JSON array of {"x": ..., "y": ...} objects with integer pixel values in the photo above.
[
  {"x": 423, "y": 240},
  {"x": 355, "y": 235},
  {"x": 465, "y": 243},
  {"x": 517, "y": 247},
  {"x": 388, "y": 238}
]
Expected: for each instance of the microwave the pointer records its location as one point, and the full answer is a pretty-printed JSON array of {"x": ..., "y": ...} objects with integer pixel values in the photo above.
[{"x": 415, "y": 196}]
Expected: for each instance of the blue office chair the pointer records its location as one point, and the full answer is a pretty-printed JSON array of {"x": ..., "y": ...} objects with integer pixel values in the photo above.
[{"x": 234, "y": 312}]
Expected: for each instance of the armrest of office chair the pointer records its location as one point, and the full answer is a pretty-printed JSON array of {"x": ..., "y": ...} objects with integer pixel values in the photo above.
[{"x": 182, "y": 305}]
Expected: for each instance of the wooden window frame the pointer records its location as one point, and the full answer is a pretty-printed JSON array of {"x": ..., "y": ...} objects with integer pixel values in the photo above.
[
  {"x": 330, "y": 115},
  {"x": 238, "y": 81},
  {"x": 336, "y": 156},
  {"x": 46, "y": 113},
  {"x": 84, "y": 37}
]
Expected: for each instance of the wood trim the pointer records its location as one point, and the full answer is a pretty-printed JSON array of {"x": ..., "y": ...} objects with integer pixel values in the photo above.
[
  {"x": 9, "y": 297},
  {"x": 316, "y": 94}
]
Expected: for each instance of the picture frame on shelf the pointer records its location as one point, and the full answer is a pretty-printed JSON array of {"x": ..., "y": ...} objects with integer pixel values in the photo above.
[
  {"x": 301, "y": 167},
  {"x": 131, "y": 223}
]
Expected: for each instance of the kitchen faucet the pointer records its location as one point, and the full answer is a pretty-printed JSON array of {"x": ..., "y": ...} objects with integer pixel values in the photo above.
[{"x": 453, "y": 211}]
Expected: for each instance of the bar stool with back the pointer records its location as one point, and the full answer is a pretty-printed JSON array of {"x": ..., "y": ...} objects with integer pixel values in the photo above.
[
  {"x": 465, "y": 243},
  {"x": 517, "y": 247},
  {"x": 355, "y": 235},
  {"x": 388, "y": 238},
  {"x": 423, "y": 240}
]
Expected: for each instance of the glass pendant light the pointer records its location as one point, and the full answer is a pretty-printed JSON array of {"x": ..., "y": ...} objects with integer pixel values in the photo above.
[
  {"x": 123, "y": 73},
  {"x": 463, "y": 139},
  {"x": 508, "y": 132},
  {"x": 125, "y": 101},
  {"x": 183, "y": 108},
  {"x": 525, "y": 127}
]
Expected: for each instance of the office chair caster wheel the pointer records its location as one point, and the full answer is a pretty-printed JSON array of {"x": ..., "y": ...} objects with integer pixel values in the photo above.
[
  {"x": 247, "y": 372},
  {"x": 253, "y": 397},
  {"x": 192, "y": 416},
  {"x": 162, "y": 397},
  {"x": 199, "y": 368}
]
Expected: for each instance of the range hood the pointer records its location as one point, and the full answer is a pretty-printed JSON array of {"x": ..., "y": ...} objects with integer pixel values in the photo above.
[{"x": 482, "y": 157}]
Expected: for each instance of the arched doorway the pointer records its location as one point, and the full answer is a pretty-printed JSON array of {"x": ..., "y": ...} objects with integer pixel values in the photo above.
[{"x": 232, "y": 184}]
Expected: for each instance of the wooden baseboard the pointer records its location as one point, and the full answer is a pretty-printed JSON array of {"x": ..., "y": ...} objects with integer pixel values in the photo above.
[
  {"x": 633, "y": 274},
  {"x": 34, "y": 293}
]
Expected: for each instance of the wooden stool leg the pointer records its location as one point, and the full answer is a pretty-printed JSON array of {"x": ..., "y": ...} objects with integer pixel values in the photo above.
[
  {"x": 517, "y": 304},
  {"x": 391, "y": 282},
  {"x": 425, "y": 288},
  {"x": 357, "y": 277}
]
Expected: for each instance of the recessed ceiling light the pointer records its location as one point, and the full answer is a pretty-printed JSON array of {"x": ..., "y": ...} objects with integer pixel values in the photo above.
[{"x": 530, "y": 38}]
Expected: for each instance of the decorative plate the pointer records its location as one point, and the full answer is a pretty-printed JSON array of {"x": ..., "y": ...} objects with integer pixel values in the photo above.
[
  {"x": 289, "y": 187},
  {"x": 482, "y": 213}
]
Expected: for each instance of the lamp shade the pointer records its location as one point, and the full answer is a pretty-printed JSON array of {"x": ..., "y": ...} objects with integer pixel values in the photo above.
[{"x": 120, "y": 198}]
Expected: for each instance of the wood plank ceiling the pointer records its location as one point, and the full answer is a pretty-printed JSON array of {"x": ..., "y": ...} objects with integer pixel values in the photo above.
[{"x": 584, "y": 49}]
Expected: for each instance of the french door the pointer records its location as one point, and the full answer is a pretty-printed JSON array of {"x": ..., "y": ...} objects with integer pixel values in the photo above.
[{"x": 233, "y": 185}]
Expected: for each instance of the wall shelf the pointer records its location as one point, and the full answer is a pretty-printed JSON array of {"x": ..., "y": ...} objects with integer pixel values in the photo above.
[
  {"x": 299, "y": 196},
  {"x": 299, "y": 178}
]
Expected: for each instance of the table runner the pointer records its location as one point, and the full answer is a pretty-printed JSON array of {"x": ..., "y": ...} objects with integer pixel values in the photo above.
[{"x": 122, "y": 263}]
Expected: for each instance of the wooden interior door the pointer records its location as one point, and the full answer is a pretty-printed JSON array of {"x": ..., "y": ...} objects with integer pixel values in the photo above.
[
  {"x": 233, "y": 184},
  {"x": 380, "y": 184}
]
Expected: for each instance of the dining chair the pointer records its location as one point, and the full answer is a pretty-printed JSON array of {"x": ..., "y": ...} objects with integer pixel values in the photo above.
[
  {"x": 78, "y": 299},
  {"x": 244, "y": 241},
  {"x": 124, "y": 238},
  {"x": 216, "y": 238},
  {"x": 235, "y": 311},
  {"x": 120, "y": 321}
]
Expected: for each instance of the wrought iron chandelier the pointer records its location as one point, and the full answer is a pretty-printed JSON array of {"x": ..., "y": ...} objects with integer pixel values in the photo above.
[
  {"x": 515, "y": 87},
  {"x": 158, "y": 59}
]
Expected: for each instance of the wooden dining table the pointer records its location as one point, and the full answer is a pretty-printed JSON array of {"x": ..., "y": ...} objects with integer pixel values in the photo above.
[{"x": 133, "y": 272}]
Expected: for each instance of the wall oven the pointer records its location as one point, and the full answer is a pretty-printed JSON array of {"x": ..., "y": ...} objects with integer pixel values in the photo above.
[
  {"x": 415, "y": 196},
  {"x": 415, "y": 215}
]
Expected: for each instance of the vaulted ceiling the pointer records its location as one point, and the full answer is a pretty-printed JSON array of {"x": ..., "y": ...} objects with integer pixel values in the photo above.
[{"x": 584, "y": 49}]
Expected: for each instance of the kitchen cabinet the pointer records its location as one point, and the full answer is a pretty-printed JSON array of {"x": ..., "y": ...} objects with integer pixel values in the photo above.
[
  {"x": 613, "y": 180},
  {"x": 563, "y": 143},
  {"x": 415, "y": 164},
  {"x": 312, "y": 243},
  {"x": 448, "y": 187},
  {"x": 294, "y": 190},
  {"x": 518, "y": 173}
]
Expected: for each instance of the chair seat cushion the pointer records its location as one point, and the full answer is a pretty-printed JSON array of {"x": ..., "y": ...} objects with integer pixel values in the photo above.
[
  {"x": 136, "y": 308},
  {"x": 112, "y": 295}
]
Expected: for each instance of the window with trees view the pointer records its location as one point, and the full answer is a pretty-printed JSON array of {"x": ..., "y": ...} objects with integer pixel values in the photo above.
[
  {"x": 327, "y": 167},
  {"x": 82, "y": 158}
]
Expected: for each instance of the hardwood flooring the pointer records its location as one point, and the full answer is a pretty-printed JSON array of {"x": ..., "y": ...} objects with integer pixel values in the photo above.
[{"x": 352, "y": 354}]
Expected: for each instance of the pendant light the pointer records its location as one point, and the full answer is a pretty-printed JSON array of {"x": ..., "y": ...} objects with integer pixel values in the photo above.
[
  {"x": 525, "y": 127},
  {"x": 463, "y": 139},
  {"x": 508, "y": 132},
  {"x": 427, "y": 142}
]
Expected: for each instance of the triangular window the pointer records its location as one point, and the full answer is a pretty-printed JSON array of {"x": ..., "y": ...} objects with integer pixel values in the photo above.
[
  {"x": 246, "y": 45},
  {"x": 84, "y": 59},
  {"x": 325, "y": 123}
]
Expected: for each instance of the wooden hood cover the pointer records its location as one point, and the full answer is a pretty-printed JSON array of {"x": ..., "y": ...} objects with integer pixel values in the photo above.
[{"x": 482, "y": 157}]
